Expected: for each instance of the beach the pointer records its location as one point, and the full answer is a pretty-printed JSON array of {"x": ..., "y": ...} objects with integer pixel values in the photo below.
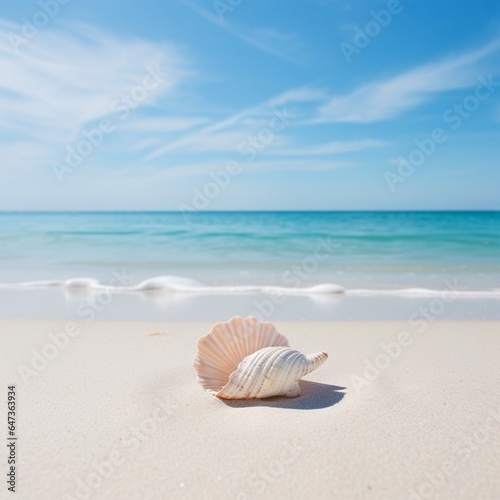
[
  {"x": 112, "y": 409},
  {"x": 176, "y": 178},
  {"x": 101, "y": 313}
]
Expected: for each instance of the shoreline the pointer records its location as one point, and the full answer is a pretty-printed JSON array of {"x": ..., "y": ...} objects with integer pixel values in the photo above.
[
  {"x": 298, "y": 282},
  {"x": 83, "y": 304},
  {"x": 117, "y": 412},
  {"x": 181, "y": 285}
]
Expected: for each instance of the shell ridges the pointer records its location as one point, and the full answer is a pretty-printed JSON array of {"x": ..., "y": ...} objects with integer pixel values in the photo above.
[{"x": 245, "y": 358}]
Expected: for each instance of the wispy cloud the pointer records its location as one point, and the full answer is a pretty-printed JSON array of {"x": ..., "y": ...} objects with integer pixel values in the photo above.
[
  {"x": 163, "y": 123},
  {"x": 332, "y": 148},
  {"x": 385, "y": 99},
  {"x": 268, "y": 165},
  {"x": 68, "y": 78},
  {"x": 285, "y": 46},
  {"x": 377, "y": 101},
  {"x": 241, "y": 124}
]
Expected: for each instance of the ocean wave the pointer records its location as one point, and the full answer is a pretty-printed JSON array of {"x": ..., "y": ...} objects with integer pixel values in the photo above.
[
  {"x": 179, "y": 284},
  {"x": 174, "y": 284}
]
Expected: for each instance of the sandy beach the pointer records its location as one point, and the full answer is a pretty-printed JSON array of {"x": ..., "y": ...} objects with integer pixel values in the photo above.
[
  {"x": 330, "y": 167},
  {"x": 112, "y": 409}
]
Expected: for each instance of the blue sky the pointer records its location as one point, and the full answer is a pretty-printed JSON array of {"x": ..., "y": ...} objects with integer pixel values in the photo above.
[{"x": 191, "y": 105}]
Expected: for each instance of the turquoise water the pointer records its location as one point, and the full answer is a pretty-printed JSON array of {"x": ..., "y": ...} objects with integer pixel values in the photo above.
[{"x": 381, "y": 250}]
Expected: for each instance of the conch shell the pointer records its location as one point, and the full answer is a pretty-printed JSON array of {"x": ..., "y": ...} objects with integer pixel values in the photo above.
[{"x": 245, "y": 358}]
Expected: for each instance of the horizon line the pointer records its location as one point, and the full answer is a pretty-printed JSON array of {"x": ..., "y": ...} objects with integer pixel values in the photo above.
[{"x": 194, "y": 212}]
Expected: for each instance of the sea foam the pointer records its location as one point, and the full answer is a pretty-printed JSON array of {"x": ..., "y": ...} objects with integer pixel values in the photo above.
[{"x": 179, "y": 284}]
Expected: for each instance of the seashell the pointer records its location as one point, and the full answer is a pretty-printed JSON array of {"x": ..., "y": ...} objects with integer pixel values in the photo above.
[{"x": 245, "y": 358}]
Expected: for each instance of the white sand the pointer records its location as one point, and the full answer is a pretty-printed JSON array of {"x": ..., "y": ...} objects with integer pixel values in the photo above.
[{"x": 426, "y": 426}]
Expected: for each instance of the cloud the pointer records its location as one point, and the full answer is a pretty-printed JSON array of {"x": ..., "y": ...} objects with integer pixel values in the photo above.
[
  {"x": 285, "y": 46},
  {"x": 63, "y": 80},
  {"x": 163, "y": 123},
  {"x": 243, "y": 123},
  {"x": 335, "y": 147},
  {"x": 220, "y": 142},
  {"x": 297, "y": 164},
  {"x": 385, "y": 99},
  {"x": 205, "y": 168},
  {"x": 377, "y": 101},
  {"x": 19, "y": 155}
]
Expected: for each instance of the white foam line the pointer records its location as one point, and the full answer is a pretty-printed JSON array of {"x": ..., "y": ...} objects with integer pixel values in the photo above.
[
  {"x": 423, "y": 292},
  {"x": 178, "y": 284},
  {"x": 174, "y": 284}
]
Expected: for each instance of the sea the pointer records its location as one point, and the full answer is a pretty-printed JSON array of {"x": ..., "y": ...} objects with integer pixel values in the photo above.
[{"x": 175, "y": 254}]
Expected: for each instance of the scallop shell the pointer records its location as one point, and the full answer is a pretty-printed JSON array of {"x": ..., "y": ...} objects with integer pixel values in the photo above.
[{"x": 245, "y": 358}]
